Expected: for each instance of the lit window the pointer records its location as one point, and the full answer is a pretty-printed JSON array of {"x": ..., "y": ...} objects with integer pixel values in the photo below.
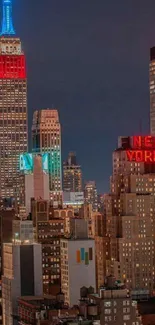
[
  {"x": 126, "y": 317},
  {"x": 107, "y": 303},
  {"x": 107, "y": 311}
]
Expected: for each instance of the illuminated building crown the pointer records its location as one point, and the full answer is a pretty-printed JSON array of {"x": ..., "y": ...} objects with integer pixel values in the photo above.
[{"x": 7, "y": 24}]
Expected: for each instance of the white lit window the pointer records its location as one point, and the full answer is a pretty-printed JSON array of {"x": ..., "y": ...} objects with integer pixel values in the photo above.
[
  {"x": 107, "y": 311},
  {"x": 126, "y": 302},
  {"x": 107, "y": 303},
  {"x": 126, "y": 317}
]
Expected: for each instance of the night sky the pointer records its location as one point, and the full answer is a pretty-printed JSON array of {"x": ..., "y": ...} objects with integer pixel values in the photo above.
[{"x": 89, "y": 59}]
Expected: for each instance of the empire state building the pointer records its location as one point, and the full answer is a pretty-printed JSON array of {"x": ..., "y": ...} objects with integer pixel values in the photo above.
[{"x": 13, "y": 106}]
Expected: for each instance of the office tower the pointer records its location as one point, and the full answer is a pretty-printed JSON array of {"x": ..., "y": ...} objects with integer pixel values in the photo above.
[
  {"x": 72, "y": 174},
  {"x": 22, "y": 231},
  {"x": 77, "y": 266},
  {"x": 22, "y": 276},
  {"x": 46, "y": 138},
  {"x": 152, "y": 89},
  {"x": 130, "y": 214},
  {"x": 39, "y": 210},
  {"x": 98, "y": 224},
  {"x": 102, "y": 251},
  {"x": 101, "y": 203},
  {"x": 49, "y": 234},
  {"x": 65, "y": 214},
  {"x": 101, "y": 246},
  {"x": 78, "y": 228},
  {"x": 35, "y": 179},
  {"x": 86, "y": 213},
  {"x": 116, "y": 304},
  {"x": 90, "y": 194},
  {"x": 7, "y": 216},
  {"x": 73, "y": 199},
  {"x": 6, "y": 219},
  {"x": 13, "y": 106}
]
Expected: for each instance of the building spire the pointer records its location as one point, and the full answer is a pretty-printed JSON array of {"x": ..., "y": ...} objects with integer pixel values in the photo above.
[{"x": 7, "y": 24}]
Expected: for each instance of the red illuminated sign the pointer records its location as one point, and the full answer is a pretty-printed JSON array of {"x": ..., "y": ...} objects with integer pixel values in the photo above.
[
  {"x": 147, "y": 156},
  {"x": 12, "y": 67},
  {"x": 143, "y": 142},
  {"x": 143, "y": 149}
]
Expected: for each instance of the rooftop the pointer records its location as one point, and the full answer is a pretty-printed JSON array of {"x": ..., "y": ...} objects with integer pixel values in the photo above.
[
  {"x": 22, "y": 243},
  {"x": 76, "y": 239},
  {"x": 37, "y": 298},
  {"x": 40, "y": 301}
]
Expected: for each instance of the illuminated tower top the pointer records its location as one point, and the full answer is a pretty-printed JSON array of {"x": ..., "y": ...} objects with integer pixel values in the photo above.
[{"x": 7, "y": 24}]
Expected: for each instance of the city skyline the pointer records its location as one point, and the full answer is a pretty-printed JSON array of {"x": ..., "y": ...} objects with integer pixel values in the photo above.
[
  {"x": 68, "y": 254},
  {"x": 82, "y": 32}
]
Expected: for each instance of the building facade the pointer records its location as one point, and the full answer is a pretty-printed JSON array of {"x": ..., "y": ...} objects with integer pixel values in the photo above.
[
  {"x": 22, "y": 231},
  {"x": 46, "y": 138},
  {"x": 66, "y": 214},
  {"x": 77, "y": 267},
  {"x": 40, "y": 210},
  {"x": 130, "y": 214},
  {"x": 72, "y": 174},
  {"x": 73, "y": 199},
  {"x": 90, "y": 194},
  {"x": 49, "y": 234},
  {"x": 34, "y": 170},
  {"x": 22, "y": 276},
  {"x": 116, "y": 304},
  {"x": 102, "y": 251},
  {"x": 48, "y": 309},
  {"x": 13, "y": 106}
]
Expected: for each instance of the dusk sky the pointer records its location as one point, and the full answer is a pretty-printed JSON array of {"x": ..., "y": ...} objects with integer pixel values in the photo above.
[{"x": 89, "y": 59}]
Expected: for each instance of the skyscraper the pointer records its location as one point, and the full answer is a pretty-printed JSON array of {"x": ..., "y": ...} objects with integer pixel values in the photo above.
[
  {"x": 72, "y": 174},
  {"x": 78, "y": 267},
  {"x": 48, "y": 234},
  {"x": 46, "y": 137},
  {"x": 130, "y": 214},
  {"x": 35, "y": 181},
  {"x": 13, "y": 105},
  {"x": 22, "y": 276},
  {"x": 90, "y": 194}
]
